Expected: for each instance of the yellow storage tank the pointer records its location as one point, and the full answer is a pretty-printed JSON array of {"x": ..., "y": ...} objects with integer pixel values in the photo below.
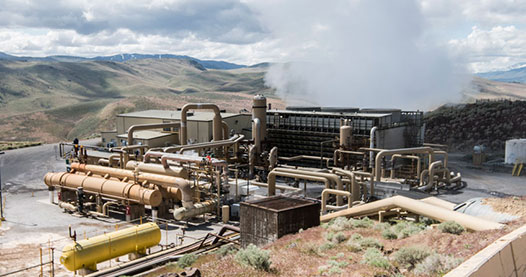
[{"x": 87, "y": 253}]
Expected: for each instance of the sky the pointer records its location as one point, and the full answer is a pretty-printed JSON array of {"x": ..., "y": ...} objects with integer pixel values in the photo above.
[{"x": 480, "y": 35}]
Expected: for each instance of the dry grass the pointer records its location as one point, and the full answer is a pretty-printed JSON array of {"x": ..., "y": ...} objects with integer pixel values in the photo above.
[{"x": 302, "y": 254}]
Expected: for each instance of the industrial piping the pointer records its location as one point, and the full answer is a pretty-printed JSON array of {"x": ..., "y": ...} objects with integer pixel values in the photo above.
[
  {"x": 415, "y": 150},
  {"x": 325, "y": 194},
  {"x": 416, "y": 207},
  {"x": 158, "y": 169},
  {"x": 372, "y": 144},
  {"x": 138, "y": 127},
  {"x": 210, "y": 144},
  {"x": 333, "y": 177},
  {"x": 105, "y": 187},
  {"x": 216, "y": 122},
  {"x": 256, "y": 135},
  {"x": 273, "y": 174},
  {"x": 185, "y": 186}
]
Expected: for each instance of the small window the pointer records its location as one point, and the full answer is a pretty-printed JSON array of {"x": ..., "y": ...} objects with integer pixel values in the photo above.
[{"x": 103, "y": 140}]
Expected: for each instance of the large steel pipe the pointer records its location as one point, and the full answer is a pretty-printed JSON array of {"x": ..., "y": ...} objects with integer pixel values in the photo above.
[
  {"x": 88, "y": 253},
  {"x": 325, "y": 195},
  {"x": 149, "y": 126},
  {"x": 166, "y": 181},
  {"x": 158, "y": 169},
  {"x": 195, "y": 210},
  {"x": 383, "y": 153},
  {"x": 211, "y": 144},
  {"x": 105, "y": 187},
  {"x": 216, "y": 122},
  {"x": 256, "y": 135},
  {"x": 259, "y": 111},
  {"x": 416, "y": 207},
  {"x": 273, "y": 174},
  {"x": 333, "y": 177},
  {"x": 418, "y": 163}
]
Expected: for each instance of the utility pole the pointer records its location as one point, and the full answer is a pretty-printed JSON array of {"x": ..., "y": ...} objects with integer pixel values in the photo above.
[{"x": 2, "y": 218}]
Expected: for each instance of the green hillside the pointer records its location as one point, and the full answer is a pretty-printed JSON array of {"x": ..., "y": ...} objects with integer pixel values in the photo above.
[{"x": 52, "y": 101}]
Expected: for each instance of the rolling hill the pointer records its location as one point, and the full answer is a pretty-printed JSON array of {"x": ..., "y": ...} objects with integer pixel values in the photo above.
[
  {"x": 516, "y": 74},
  {"x": 52, "y": 101}
]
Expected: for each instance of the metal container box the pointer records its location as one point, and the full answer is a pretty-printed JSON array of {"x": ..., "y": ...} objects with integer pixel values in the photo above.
[{"x": 265, "y": 220}]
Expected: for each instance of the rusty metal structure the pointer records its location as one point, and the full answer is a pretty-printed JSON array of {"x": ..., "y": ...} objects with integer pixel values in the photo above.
[{"x": 266, "y": 220}]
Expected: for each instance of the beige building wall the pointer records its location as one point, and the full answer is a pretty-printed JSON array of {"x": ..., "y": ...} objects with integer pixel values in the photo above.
[{"x": 240, "y": 122}]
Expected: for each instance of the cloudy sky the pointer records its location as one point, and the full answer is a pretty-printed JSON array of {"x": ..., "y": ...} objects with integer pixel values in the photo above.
[{"x": 481, "y": 34}]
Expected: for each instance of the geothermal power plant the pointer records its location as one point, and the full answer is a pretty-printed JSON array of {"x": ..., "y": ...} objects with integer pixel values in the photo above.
[{"x": 257, "y": 175}]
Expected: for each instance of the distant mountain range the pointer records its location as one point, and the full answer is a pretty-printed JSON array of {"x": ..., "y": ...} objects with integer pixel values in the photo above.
[
  {"x": 206, "y": 64},
  {"x": 516, "y": 74}
]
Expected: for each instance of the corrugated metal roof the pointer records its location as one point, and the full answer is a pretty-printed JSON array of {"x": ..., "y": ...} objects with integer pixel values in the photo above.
[{"x": 176, "y": 115}]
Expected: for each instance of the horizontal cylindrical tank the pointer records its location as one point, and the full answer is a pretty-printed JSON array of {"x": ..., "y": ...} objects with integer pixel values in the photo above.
[
  {"x": 515, "y": 151},
  {"x": 109, "y": 188},
  {"x": 158, "y": 169},
  {"x": 89, "y": 252}
]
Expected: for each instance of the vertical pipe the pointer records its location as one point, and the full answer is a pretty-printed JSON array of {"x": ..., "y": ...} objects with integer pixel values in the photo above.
[
  {"x": 372, "y": 144},
  {"x": 259, "y": 111},
  {"x": 41, "y": 265}
]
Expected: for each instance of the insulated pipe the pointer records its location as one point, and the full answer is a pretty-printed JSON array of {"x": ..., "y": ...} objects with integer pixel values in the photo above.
[
  {"x": 151, "y": 126},
  {"x": 338, "y": 152},
  {"x": 158, "y": 169},
  {"x": 416, "y": 207},
  {"x": 105, "y": 187},
  {"x": 225, "y": 129},
  {"x": 172, "y": 149},
  {"x": 333, "y": 177},
  {"x": 325, "y": 194},
  {"x": 216, "y": 122},
  {"x": 213, "y": 144},
  {"x": 195, "y": 210},
  {"x": 271, "y": 179},
  {"x": 265, "y": 185},
  {"x": 439, "y": 202},
  {"x": 256, "y": 135},
  {"x": 355, "y": 189},
  {"x": 415, "y": 150},
  {"x": 259, "y": 111},
  {"x": 190, "y": 159},
  {"x": 273, "y": 158},
  {"x": 417, "y": 158},
  {"x": 432, "y": 168},
  {"x": 372, "y": 144},
  {"x": 166, "y": 181},
  {"x": 252, "y": 159},
  {"x": 444, "y": 153}
]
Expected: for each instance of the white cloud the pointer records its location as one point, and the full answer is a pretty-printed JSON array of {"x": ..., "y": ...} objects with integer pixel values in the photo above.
[{"x": 496, "y": 48}]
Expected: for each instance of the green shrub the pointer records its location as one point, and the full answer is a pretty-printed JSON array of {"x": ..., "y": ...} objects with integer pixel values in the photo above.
[
  {"x": 451, "y": 227},
  {"x": 361, "y": 223},
  {"x": 186, "y": 260},
  {"x": 356, "y": 237},
  {"x": 326, "y": 246},
  {"x": 354, "y": 246},
  {"x": 254, "y": 257},
  {"x": 382, "y": 226},
  {"x": 370, "y": 243},
  {"x": 405, "y": 229},
  {"x": 411, "y": 255},
  {"x": 437, "y": 264},
  {"x": 226, "y": 250},
  {"x": 339, "y": 238},
  {"x": 339, "y": 224},
  {"x": 374, "y": 257},
  {"x": 389, "y": 234}
]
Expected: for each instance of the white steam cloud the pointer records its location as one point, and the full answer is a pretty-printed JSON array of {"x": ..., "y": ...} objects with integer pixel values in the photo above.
[{"x": 368, "y": 53}]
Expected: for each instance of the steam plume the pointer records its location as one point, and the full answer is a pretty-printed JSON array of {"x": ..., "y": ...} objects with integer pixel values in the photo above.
[{"x": 368, "y": 53}]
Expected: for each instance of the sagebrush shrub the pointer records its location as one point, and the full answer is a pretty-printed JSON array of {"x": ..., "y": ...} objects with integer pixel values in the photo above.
[
  {"x": 254, "y": 257},
  {"x": 186, "y": 260},
  {"x": 451, "y": 227}
]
